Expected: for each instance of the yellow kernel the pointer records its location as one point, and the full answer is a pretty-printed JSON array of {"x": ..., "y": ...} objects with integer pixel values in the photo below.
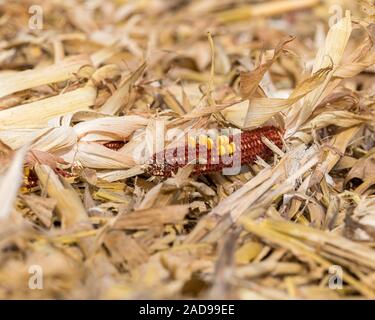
[
  {"x": 192, "y": 141},
  {"x": 222, "y": 140},
  {"x": 26, "y": 171},
  {"x": 222, "y": 150},
  {"x": 202, "y": 140},
  {"x": 210, "y": 143},
  {"x": 232, "y": 147},
  {"x": 228, "y": 149}
]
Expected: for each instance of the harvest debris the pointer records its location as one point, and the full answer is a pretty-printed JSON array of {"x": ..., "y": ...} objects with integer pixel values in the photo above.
[{"x": 82, "y": 98}]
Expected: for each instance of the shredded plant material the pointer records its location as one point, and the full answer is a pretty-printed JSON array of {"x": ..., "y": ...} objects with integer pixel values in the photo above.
[{"x": 90, "y": 90}]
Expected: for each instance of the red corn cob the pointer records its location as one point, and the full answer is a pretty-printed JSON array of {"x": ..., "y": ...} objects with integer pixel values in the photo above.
[
  {"x": 114, "y": 145},
  {"x": 251, "y": 146},
  {"x": 31, "y": 179}
]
